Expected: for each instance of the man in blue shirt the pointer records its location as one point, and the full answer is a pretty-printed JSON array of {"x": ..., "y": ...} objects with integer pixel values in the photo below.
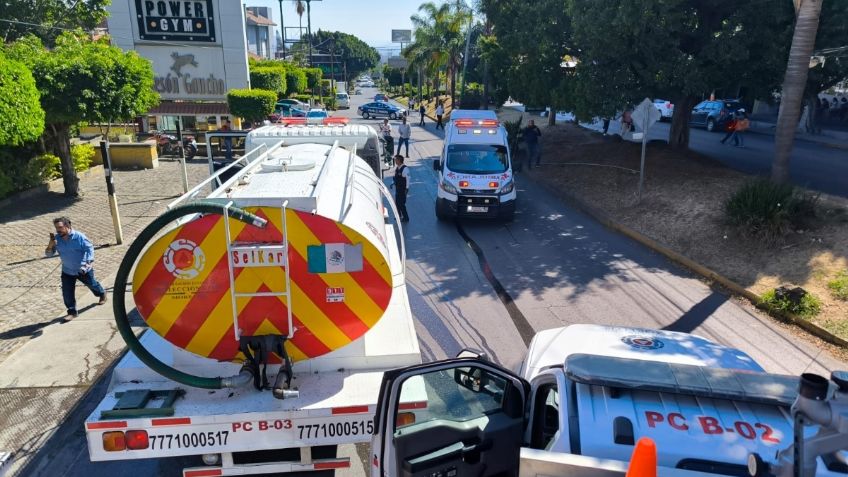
[{"x": 77, "y": 255}]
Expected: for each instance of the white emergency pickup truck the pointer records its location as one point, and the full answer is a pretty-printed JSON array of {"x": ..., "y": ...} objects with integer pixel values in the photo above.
[{"x": 583, "y": 397}]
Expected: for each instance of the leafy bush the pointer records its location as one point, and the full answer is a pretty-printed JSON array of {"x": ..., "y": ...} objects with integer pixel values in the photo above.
[
  {"x": 7, "y": 185},
  {"x": 82, "y": 155},
  {"x": 805, "y": 305},
  {"x": 839, "y": 285},
  {"x": 253, "y": 105},
  {"x": 513, "y": 131},
  {"x": 23, "y": 118},
  {"x": 767, "y": 211},
  {"x": 295, "y": 81},
  {"x": 313, "y": 77},
  {"x": 329, "y": 102},
  {"x": 269, "y": 78}
]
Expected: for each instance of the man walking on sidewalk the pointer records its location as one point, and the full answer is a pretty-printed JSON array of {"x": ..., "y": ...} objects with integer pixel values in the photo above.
[
  {"x": 440, "y": 111},
  {"x": 404, "y": 131},
  {"x": 77, "y": 255},
  {"x": 421, "y": 111}
]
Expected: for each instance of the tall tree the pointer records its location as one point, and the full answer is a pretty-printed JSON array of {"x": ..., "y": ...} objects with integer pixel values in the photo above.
[
  {"x": 794, "y": 84},
  {"x": 81, "y": 80},
  {"x": 535, "y": 66},
  {"x": 349, "y": 50},
  {"x": 46, "y": 19},
  {"x": 440, "y": 36},
  {"x": 678, "y": 49}
]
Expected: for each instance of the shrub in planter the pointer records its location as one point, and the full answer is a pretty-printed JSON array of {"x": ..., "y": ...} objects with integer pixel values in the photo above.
[
  {"x": 269, "y": 78},
  {"x": 296, "y": 81},
  {"x": 767, "y": 211},
  {"x": 82, "y": 155},
  {"x": 42, "y": 168},
  {"x": 253, "y": 105}
]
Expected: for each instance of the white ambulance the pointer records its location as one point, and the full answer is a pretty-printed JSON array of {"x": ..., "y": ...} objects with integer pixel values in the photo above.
[{"x": 475, "y": 169}]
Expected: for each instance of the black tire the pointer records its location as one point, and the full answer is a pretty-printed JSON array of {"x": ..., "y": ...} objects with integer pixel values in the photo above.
[
  {"x": 365, "y": 115},
  {"x": 392, "y": 116},
  {"x": 711, "y": 125},
  {"x": 440, "y": 213}
]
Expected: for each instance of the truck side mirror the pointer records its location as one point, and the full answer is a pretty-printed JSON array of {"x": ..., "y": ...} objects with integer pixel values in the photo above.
[
  {"x": 473, "y": 379},
  {"x": 436, "y": 165}
]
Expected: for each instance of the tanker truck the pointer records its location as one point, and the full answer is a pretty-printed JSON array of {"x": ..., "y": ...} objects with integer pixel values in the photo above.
[{"x": 273, "y": 306}]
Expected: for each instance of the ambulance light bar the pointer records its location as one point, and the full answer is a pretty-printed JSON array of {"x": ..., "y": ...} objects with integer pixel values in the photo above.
[
  {"x": 486, "y": 123},
  {"x": 674, "y": 378}
]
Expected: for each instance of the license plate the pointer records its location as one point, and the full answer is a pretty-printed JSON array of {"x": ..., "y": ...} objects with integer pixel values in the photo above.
[{"x": 472, "y": 208}]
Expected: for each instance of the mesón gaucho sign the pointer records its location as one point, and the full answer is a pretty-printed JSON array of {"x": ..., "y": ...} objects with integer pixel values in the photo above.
[{"x": 175, "y": 20}]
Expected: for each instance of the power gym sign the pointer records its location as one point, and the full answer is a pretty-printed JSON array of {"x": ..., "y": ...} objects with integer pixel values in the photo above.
[{"x": 175, "y": 20}]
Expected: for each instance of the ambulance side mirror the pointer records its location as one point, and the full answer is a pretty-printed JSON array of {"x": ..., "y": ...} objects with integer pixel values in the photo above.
[{"x": 436, "y": 165}]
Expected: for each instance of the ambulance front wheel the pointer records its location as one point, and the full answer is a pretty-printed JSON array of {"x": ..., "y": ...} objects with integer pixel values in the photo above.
[
  {"x": 442, "y": 211},
  {"x": 507, "y": 212}
]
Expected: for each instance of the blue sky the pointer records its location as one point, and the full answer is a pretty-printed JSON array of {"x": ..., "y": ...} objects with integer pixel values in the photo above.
[{"x": 370, "y": 20}]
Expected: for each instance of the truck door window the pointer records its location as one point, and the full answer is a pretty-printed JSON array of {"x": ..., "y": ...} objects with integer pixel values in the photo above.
[
  {"x": 459, "y": 394},
  {"x": 545, "y": 417}
]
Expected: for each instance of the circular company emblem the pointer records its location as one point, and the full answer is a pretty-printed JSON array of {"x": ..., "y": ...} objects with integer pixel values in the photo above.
[
  {"x": 642, "y": 342},
  {"x": 184, "y": 259}
]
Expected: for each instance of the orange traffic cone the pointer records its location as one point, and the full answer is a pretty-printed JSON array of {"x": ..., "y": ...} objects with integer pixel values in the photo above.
[{"x": 643, "y": 463}]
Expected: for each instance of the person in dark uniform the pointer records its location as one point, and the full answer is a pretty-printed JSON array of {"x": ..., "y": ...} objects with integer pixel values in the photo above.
[{"x": 401, "y": 185}]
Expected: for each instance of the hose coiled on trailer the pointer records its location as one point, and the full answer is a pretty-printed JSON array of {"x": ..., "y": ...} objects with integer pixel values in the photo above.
[{"x": 119, "y": 306}]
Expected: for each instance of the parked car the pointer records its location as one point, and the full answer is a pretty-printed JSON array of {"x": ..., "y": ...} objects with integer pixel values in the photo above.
[
  {"x": 715, "y": 114},
  {"x": 380, "y": 97},
  {"x": 342, "y": 101},
  {"x": 293, "y": 102},
  {"x": 358, "y": 91},
  {"x": 380, "y": 108},
  {"x": 666, "y": 109},
  {"x": 316, "y": 116}
]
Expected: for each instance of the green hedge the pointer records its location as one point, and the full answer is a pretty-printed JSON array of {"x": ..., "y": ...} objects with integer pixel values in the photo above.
[
  {"x": 20, "y": 109},
  {"x": 313, "y": 77},
  {"x": 296, "y": 81},
  {"x": 269, "y": 78},
  {"x": 251, "y": 104}
]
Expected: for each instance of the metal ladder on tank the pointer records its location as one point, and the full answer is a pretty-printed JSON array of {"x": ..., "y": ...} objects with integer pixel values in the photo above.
[{"x": 282, "y": 246}]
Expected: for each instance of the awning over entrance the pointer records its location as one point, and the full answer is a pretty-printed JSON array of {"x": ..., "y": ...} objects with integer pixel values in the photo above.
[{"x": 171, "y": 108}]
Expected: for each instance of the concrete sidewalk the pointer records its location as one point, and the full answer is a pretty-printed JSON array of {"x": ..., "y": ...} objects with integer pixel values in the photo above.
[{"x": 46, "y": 363}]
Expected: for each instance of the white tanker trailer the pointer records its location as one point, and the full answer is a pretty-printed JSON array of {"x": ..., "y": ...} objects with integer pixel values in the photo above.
[{"x": 274, "y": 304}]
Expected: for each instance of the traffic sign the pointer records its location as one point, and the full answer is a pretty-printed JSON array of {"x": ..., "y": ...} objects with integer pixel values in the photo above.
[{"x": 645, "y": 111}]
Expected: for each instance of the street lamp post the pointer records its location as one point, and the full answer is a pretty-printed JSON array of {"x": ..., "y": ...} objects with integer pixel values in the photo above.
[{"x": 309, "y": 28}]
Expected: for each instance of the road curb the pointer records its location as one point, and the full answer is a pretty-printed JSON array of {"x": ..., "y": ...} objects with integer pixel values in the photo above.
[
  {"x": 694, "y": 266},
  {"x": 832, "y": 145}
]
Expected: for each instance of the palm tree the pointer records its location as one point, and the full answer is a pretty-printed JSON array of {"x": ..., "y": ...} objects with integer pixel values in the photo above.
[
  {"x": 794, "y": 82},
  {"x": 439, "y": 39}
]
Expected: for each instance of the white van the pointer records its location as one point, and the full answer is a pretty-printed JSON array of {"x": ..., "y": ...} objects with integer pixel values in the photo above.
[
  {"x": 475, "y": 169},
  {"x": 342, "y": 101}
]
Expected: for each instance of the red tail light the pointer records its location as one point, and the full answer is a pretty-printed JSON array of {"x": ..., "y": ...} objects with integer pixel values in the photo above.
[
  {"x": 463, "y": 183},
  {"x": 669, "y": 105},
  {"x": 137, "y": 440}
]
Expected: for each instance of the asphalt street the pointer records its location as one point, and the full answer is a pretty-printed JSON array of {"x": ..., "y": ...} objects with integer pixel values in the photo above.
[
  {"x": 813, "y": 165},
  {"x": 559, "y": 266}
]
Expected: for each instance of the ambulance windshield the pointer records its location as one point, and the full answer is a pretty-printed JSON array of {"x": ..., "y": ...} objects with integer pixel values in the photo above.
[{"x": 477, "y": 158}]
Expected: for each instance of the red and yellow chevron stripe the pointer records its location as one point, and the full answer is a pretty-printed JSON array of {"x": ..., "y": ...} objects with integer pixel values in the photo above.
[{"x": 181, "y": 287}]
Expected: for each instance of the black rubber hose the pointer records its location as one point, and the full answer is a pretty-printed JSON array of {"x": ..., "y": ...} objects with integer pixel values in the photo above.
[{"x": 138, "y": 245}]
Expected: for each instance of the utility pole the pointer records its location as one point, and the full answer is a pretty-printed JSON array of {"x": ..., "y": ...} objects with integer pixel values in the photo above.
[
  {"x": 283, "y": 29},
  {"x": 309, "y": 28},
  {"x": 465, "y": 58},
  {"x": 110, "y": 189}
]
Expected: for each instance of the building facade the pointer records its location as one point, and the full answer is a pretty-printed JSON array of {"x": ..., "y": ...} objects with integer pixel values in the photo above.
[
  {"x": 259, "y": 29},
  {"x": 198, "y": 50}
]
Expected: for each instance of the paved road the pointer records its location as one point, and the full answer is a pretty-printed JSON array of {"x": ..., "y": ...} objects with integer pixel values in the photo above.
[
  {"x": 559, "y": 266},
  {"x": 813, "y": 165}
]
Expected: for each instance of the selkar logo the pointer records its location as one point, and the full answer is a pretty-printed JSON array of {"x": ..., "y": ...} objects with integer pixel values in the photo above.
[
  {"x": 184, "y": 259},
  {"x": 642, "y": 342}
]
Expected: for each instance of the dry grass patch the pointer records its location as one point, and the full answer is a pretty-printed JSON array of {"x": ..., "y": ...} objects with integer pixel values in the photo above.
[{"x": 683, "y": 207}]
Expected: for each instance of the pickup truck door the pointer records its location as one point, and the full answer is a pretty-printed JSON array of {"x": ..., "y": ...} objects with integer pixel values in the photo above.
[{"x": 461, "y": 417}]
